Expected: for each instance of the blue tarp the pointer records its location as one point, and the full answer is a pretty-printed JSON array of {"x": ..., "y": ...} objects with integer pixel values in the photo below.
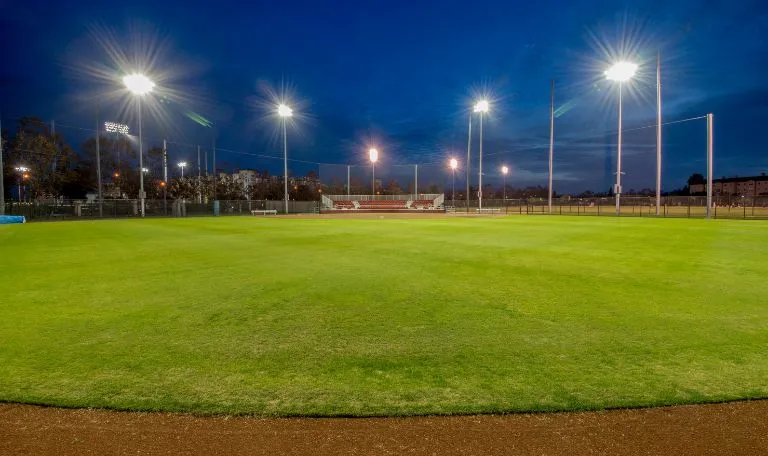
[{"x": 6, "y": 219}]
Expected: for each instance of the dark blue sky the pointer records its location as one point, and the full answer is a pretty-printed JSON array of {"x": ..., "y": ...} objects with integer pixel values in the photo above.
[{"x": 403, "y": 75}]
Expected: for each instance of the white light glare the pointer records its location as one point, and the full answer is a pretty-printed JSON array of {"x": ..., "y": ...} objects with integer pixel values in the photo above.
[
  {"x": 373, "y": 154},
  {"x": 182, "y": 164},
  {"x": 621, "y": 71},
  {"x": 284, "y": 111},
  {"x": 504, "y": 169},
  {"x": 482, "y": 106},
  {"x": 454, "y": 163},
  {"x": 144, "y": 170},
  {"x": 138, "y": 83},
  {"x": 112, "y": 127},
  {"x": 22, "y": 169}
]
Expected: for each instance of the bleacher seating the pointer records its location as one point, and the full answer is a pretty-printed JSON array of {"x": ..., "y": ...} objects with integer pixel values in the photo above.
[
  {"x": 422, "y": 204},
  {"x": 344, "y": 204},
  {"x": 382, "y": 204}
]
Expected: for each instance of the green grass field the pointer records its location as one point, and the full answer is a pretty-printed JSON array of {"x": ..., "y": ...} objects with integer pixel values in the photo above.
[{"x": 313, "y": 316}]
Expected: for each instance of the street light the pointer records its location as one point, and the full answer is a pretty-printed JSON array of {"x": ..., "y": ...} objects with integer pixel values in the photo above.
[
  {"x": 139, "y": 85},
  {"x": 182, "y": 165},
  {"x": 504, "y": 171},
  {"x": 454, "y": 164},
  {"x": 285, "y": 112},
  {"x": 620, "y": 72},
  {"x": 481, "y": 107},
  {"x": 373, "y": 155},
  {"x": 144, "y": 170},
  {"x": 24, "y": 171}
]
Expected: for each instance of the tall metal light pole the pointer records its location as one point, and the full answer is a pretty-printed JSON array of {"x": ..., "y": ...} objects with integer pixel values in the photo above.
[
  {"x": 551, "y": 145},
  {"x": 469, "y": 162},
  {"x": 285, "y": 112},
  {"x": 182, "y": 165},
  {"x": 454, "y": 165},
  {"x": 2, "y": 171},
  {"x": 504, "y": 171},
  {"x": 482, "y": 108},
  {"x": 658, "y": 133},
  {"x": 710, "y": 160},
  {"x": 23, "y": 174},
  {"x": 139, "y": 85},
  {"x": 373, "y": 155},
  {"x": 620, "y": 72}
]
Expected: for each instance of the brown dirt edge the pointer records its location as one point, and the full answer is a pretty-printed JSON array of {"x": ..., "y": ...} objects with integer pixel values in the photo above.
[{"x": 717, "y": 429}]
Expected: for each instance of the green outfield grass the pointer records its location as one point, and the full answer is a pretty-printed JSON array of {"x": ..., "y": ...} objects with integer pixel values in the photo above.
[{"x": 312, "y": 316}]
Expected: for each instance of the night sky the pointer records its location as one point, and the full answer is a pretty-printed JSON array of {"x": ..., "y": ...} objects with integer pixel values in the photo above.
[{"x": 402, "y": 75}]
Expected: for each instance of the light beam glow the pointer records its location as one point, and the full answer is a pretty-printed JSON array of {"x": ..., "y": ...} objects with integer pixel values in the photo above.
[
  {"x": 621, "y": 71},
  {"x": 138, "y": 83},
  {"x": 284, "y": 111},
  {"x": 373, "y": 154},
  {"x": 454, "y": 163},
  {"x": 482, "y": 106}
]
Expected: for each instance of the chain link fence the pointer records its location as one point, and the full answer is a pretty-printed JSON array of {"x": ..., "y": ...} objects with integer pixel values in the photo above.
[{"x": 85, "y": 209}]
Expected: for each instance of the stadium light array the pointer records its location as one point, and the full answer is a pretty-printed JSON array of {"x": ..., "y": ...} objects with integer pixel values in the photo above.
[{"x": 114, "y": 127}]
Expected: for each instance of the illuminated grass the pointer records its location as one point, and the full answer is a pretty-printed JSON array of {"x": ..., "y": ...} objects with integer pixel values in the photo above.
[{"x": 372, "y": 317}]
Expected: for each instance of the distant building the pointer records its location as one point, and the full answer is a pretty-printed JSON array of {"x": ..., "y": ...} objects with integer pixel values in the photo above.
[{"x": 741, "y": 186}]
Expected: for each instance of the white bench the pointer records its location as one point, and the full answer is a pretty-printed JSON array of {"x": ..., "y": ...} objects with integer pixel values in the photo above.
[{"x": 264, "y": 212}]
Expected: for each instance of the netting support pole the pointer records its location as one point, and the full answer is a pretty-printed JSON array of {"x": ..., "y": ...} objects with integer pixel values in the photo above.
[
  {"x": 710, "y": 164},
  {"x": 347, "y": 181}
]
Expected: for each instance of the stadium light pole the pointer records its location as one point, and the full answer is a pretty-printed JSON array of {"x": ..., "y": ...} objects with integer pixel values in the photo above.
[
  {"x": 23, "y": 174},
  {"x": 373, "y": 155},
  {"x": 139, "y": 85},
  {"x": 620, "y": 72},
  {"x": 504, "y": 171},
  {"x": 454, "y": 165},
  {"x": 481, "y": 107},
  {"x": 469, "y": 162},
  {"x": 182, "y": 165},
  {"x": 285, "y": 112}
]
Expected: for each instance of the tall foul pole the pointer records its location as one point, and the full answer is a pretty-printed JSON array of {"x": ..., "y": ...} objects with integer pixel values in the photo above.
[
  {"x": 658, "y": 133},
  {"x": 710, "y": 160},
  {"x": 551, "y": 144},
  {"x": 469, "y": 147}
]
